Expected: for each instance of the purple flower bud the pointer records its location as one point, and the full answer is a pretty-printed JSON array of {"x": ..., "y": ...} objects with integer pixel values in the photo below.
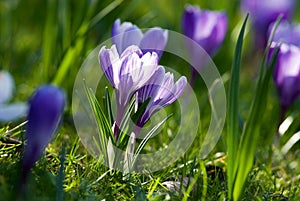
[
  {"x": 44, "y": 117},
  {"x": 287, "y": 73},
  {"x": 263, "y": 13},
  {"x": 162, "y": 92},
  {"x": 127, "y": 73},
  {"x": 207, "y": 28},
  {"x": 286, "y": 33},
  {"x": 126, "y": 34}
]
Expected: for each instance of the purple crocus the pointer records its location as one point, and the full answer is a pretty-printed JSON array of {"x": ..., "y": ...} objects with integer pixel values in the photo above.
[
  {"x": 126, "y": 34},
  {"x": 161, "y": 90},
  {"x": 127, "y": 73},
  {"x": 287, "y": 74},
  {"x": 207, "y": 28},
  {"x": 287, "y": 32},
  {"x": 45, "y": 112},
  {"x": 9, "y": 111},
  {"x": 263, "y": 13}
]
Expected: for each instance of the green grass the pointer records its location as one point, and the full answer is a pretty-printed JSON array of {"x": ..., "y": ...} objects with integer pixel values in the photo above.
[{"x": 41, "y": 43}]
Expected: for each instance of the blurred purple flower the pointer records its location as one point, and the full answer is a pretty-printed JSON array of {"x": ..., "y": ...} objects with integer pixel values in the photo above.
[
  {"x": 287, "y": 74},
  {"x": 263, "y": 13},
  {"x": 126, "y": 34},
  {"x": 286, "y": 32},
  {"x": 7, "y": 86},
  {"x": 161, "y": 90},
  {"x": 207, "y": 28},
  {"x": 127, "y": 73},
  {"x": 45, "y": 112},
  {"x": 12, "y": 111}
]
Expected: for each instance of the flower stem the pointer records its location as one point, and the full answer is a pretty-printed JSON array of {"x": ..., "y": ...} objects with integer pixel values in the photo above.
[{"x": 118, "y": 121}]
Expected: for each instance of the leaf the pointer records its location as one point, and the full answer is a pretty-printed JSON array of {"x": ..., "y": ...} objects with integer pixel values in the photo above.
[
  {"x": 129, "y": 154},
  {"x": 49, "y": 39},
  {"x": 107, "y": 106},
  {"x": 141, "y": 109},
  {"x": 233, "y": 117},
  {"x": 105, "y": 134},
  {"x": 123, "y": 137},
  {"x": 148, "y": 136},
  {"x": 61, "y": 176}
]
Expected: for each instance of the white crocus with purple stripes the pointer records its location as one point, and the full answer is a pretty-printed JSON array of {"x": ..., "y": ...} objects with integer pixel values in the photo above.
[
  {"x": 127, "y": 74},
  {"x": 161, "y": 90}
]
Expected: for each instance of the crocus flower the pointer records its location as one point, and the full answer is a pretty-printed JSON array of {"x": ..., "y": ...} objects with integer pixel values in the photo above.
[
  {"x": 207, "y": 28},
  {"x": 127, "y": 73},
  {"x": 45, "y": 112},
  {"x": 263, "y": 13},
  {"x": 126, "y": 34},
  {"x": 286, "y": 32},
  {"x": 9, "y": 111},
  {"x": 287, "y": 74},
  {"x": 161, "y": 90}
]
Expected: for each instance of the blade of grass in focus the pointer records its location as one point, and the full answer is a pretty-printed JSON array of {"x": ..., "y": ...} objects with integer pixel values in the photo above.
[{"x": 233, "y": 119}]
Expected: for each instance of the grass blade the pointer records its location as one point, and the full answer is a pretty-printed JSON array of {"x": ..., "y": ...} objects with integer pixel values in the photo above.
[
  {"x": 233, "y": 118},
  {"x": 49, "y": 39}
]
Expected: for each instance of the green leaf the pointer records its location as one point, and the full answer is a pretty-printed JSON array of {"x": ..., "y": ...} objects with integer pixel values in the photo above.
[
  {"x": 105, "y": 133},
  {"x": 141, "y": 109},
  {"x": 123, "y": 137},
  {"x": 49, "y": 39},
  {"x": 147, "y": 137},
  {"x": 108, "y": 108},
  {"x": 61, "y": 176},
  {"x": 233, "y": 118}
]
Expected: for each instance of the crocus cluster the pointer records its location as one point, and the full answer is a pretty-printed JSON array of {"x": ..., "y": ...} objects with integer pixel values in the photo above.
[
  {"x": 136, "y": 73},
  {"x": 126, "y": 34},
  {"x": 45, "y": 112},
  {"x": 263, "y": 13},
  {"x": 9, "y": 111}
]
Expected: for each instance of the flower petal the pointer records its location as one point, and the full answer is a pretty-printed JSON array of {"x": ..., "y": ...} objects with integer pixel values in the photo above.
[
  {"x": 154, "y": 39},
  {"x": 151, "y": 87},
  {"x": 7, "y": 86},
  {"x": 117, "y": 33},
  {"x": 110, "y": 64},
  {"x": 132, "y": 36},
  {"x": 189, "y": 19},
  {"x": 12, "y": 112}
]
